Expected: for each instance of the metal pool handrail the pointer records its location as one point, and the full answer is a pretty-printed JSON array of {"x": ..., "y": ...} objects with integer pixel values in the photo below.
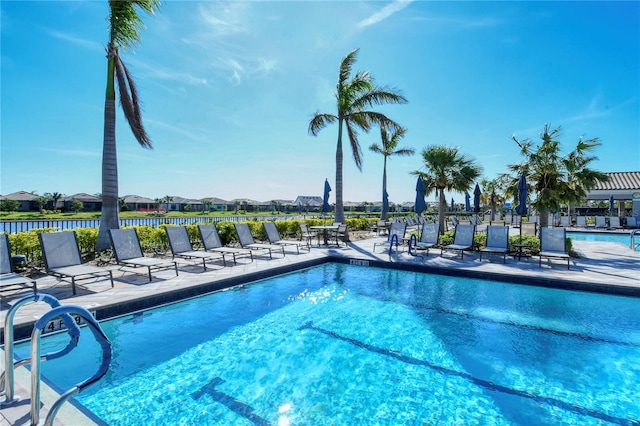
[
  {"x": 7, "y": 376},
  {"x": 635, "y": 244},
  {"x": 101, "y": 338}
]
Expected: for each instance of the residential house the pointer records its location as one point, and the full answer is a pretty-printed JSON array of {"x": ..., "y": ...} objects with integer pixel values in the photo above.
[
  {"x": 28, "y": 201},
  {"x": 90, "y": 203}
]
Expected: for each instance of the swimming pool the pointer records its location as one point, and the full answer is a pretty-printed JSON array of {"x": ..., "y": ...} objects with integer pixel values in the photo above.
[
  {"x": 609, "y": 237},
  {"x": 341, "y": 344}
]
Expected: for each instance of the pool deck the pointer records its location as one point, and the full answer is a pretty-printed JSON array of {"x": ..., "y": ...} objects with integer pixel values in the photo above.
[{"x": 602, "y": 267}]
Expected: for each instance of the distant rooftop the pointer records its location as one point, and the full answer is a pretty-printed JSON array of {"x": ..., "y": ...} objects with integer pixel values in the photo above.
[
  {"x": 621, "y": 180},
  {"x": 621, "y": 185}
]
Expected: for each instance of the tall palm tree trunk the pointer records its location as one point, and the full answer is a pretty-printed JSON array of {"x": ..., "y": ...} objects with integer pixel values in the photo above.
[
  {"x": 385, "y": 212},
  {"x": 109, "y": 217},
  {"x": 339, "y": 161},
  {"x": 441, "y": 204},
  {"x": 544, "y": 217}
]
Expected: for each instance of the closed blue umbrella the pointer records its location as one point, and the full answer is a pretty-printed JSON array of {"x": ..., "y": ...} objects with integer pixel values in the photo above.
[
  {"x": 467, "y": 202},
  {"x": 611, "y": 204},
  {"x": 476, "y": 199},
  {"x": 325, "y": 199},
  {"x": 420, "y": 204},
  {"x": 521, "y": 208},
  {"x": 453, "y": 205}
]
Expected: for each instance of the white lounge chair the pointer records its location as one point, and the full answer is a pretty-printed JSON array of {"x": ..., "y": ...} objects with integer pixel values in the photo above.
[
  {"x": 62, "y": 259},
  {"x": 9, "y": 280},
  {"x": 553, "y": 244},
  {"x": 246, "y": 241},
  {"x": 180, "y": 245},
  {"x": 128, "y": 252},
  {"x": 497, "y": 241},
  {"x": 274, "y": 237},
  {"x": 211, "y": 242},
  {"x": 430, "y": 237},
  {"x": 462, "y": 239},
  {"x": 614, "y": 222},
  {"x": 396, "y": 236}
]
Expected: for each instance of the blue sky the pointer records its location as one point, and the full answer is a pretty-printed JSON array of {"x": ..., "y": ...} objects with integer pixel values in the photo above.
[{"x": 228, "y": 90}]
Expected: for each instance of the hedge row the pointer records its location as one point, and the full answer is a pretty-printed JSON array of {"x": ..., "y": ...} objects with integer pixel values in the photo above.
[{"x": 152, "y": 238}]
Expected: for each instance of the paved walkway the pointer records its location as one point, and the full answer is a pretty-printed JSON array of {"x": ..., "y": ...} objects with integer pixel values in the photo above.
[{"x": 608, "y": 267}]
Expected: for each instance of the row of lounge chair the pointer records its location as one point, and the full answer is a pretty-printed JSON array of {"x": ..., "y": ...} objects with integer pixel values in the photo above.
[
  {"x": 552, "y": 240},
  {"x": 62, "y": 256}
]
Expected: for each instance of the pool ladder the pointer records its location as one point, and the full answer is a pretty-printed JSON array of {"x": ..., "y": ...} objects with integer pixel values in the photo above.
[
  {"x": 7, "y": 380},
  {"x": 635, "y": 240}
]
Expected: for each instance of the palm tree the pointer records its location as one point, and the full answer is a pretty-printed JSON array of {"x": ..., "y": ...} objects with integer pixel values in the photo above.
[
  {"x": 492, "y": 194},
  {"x": 125, "y": 25},
  {"x": 55, "y": 197},
  {"x": 388, "y": 148},
  {"x": 353, "y": 96},
  {"x": 167, "y": 199},
  {"x": 554, "y": 178},
  {"x": 446, "y": 168}
]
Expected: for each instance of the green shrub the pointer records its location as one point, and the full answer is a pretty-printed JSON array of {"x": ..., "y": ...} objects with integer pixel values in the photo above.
[
  {"x": 227, "y": 232},
  {"x": 87, "y": 238},
  {"x": 532, "y": 242},
  {"x": 27, "y": 243},
  {"x": 152, "y": 239}
]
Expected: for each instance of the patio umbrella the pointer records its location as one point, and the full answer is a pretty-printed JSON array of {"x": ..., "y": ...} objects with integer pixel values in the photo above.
[
  {"x": 611, "y": 204},
  {"x": 325, "y": 199},
  {"x": 476, "y": 199},
  {"x": 420, "y": 205},
  {"x": 467, "y": 202},
  {"x": 453, "y": 207},
  {"x": 521, "y": 208}
]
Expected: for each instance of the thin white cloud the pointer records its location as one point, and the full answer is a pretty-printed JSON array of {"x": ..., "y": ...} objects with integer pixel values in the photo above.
[
  {"x": 73, "y": 152},
  {"x": 384, "y": 13},
  {"x": 475, "y": 22},
  {"x": 89, "y": 44},
  {"x": 198, "y": 138},
  {"x": 223, "y": 18}
]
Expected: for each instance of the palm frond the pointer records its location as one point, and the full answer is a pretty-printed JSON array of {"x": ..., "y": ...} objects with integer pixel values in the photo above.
[
  {"x": 377, "y": 149},
  {"x": 345, "y": 67},
  {"x": 319, "y": 122},
  {"x": 126, "y": 23},
  {"x": 379, "y": 96},
  {"x": 130, "y": 102},
  {"x": 355, "y": 146}
]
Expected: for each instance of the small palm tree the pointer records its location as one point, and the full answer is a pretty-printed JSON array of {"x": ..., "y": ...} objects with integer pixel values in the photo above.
[
  {"x": 554, "y": 178},
  {"x": 125, "y": 25},
  {"x": 55, "y": 197},
  {"x": 492, "y": 194},
  {"x": 353, "y": 97},
  {"x": 389, "y": 147},
  {"x": 167, "y": 199},
  {"x": 446, "y": 168}
]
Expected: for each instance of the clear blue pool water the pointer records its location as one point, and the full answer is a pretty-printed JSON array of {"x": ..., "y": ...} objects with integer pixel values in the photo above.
[
  {"x": 350, "y": 345},
  {"x": 608, "y": 237}
]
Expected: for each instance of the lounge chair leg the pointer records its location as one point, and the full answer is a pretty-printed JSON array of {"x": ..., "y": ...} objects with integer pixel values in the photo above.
[{"x": 73, "y": 285}]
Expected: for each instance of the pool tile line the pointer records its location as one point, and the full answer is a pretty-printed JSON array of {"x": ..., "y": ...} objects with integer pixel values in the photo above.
[
  {"x": 230, "y": 402},
  {"x": 479, "y": 382},
  {"x": 585, "y": 337},
  {"x": 471, "y": 317}
]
